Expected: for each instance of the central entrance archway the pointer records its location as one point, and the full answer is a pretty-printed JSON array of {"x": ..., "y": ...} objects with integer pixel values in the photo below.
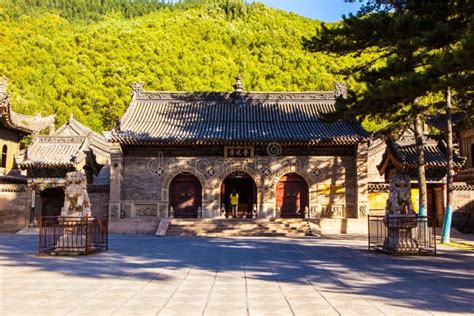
[
  {"x": 185, "y": 195},
  {"x": 245, "y": 186},
  {"x": 292, "y": 196}
]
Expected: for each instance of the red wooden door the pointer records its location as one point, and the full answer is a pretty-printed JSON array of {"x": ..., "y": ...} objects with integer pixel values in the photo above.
[
  {"x": 291, "y": 196},
  {"x": 185, "y": 196}
]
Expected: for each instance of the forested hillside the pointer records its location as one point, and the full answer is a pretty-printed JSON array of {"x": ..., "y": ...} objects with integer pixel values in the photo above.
[{"x": 81, "y": 56}]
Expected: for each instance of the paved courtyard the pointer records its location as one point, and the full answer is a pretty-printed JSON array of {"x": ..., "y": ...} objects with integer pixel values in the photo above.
[{"x": 146, "y": 275}]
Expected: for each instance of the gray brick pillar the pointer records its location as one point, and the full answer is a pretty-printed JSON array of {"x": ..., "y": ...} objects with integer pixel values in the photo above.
[
  {"x": 116, "y": 167},
  {"x": 361, "y": 165}
]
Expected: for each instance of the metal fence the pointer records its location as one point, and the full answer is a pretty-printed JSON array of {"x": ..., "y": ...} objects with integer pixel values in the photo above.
[
  {"x": 61, "y": 235},
  {"x": 402, "y": 235}
]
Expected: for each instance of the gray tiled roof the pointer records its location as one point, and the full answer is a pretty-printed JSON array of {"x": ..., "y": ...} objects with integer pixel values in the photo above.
[
  {"x": 96, "y": 141},
  {"x": 55, "y": 152},
  {"x": 435, "y": 154},
  {"x": 219, "y": 118}
]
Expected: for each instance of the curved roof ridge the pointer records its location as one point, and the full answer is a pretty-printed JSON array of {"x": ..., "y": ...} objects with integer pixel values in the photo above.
[
  {"x": 24, "y": 123},
  {"x": 213, "y": 117},
  {"x": 98, "y": 140}
]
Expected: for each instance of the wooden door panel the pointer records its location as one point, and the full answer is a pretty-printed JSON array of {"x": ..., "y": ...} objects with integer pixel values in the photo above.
[
  {"x": 291, "y": 196},
  {"x": 185, "y": 196}
]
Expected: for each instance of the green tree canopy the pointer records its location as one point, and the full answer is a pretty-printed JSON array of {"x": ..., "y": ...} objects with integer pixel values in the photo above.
[
  {"x": 81, "y": 56},
  {"x": 417, "y": 47}
]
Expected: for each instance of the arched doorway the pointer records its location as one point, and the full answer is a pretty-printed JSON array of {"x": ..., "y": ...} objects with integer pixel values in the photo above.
[
  {"x": 292, "y": 196},
  {"x": 52, "y": 201},
  {"x": 245, "y": 186},
  {"x": 185, "y": 195}
]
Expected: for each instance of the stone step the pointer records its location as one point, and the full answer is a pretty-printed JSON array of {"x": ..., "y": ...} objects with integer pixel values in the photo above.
[{"x": 239, "y": 227}]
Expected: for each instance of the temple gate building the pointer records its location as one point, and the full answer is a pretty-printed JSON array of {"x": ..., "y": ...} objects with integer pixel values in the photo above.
[
  {"x": 72, "y": 147},
  {"x": 181, "y": 154}
]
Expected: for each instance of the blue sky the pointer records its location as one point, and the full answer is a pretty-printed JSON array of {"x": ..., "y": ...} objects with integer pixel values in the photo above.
[{"x": 324, "y": 10}]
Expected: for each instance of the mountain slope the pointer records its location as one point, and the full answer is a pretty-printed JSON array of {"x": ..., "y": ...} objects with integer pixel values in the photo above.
[{"x": 62, "y": 64}]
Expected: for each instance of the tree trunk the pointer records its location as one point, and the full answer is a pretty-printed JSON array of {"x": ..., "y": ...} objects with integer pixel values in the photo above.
[
  {"x": 445, "y": 237},
  {"x": 420, "y": 144}
]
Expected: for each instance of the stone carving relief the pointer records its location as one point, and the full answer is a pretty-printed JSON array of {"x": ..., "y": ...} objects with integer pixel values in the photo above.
[
  {"x": 317, "y": 172},
  {"x": 145, "y": 209},
  {"x": 114, "y": 211},
  {"x": 163, "y": 211},
  {"x": 211, "y": 171},
  {"x": 332, "y": 210},
  {"x": 265, "y": 170},
  {"x": 127, "y": 210},
  {"x": 363, "y": 210},
  {"x": 314, "y": 213}
]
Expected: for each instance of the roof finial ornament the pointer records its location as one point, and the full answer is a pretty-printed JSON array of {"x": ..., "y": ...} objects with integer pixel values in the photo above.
[
  {"x": 3, "y": 85},
  {"x": 341, "y": 90},
  {"x": 52, "y": 128},
  {"x": 238, "y": 85},
  {"x": 117, "y": 124},
  {"x": 137, "y": 89},
  {"x": 71, "y": 117}
]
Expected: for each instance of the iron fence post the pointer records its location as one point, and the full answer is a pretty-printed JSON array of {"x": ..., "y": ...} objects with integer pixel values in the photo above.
[
  {"x": 107, "y": 234},
  {"x": 368, "y": 230},
  {"x": 87, "y": 235},
  {"x": 39, "y": 237}
]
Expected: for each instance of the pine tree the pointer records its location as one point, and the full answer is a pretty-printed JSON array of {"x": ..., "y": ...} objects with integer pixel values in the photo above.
[{"x": 406, "y": 40}]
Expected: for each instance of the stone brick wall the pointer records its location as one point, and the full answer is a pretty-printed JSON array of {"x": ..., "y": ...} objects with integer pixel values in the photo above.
[
  {"x": 13, "y": 207},
  {"x": 140, "y": 183},
  {"x": 99, "y": 203},
  {"x": 374, "y": 159},
  {"x": 12, "y": 141},
  {"x": 463, "y": 206}
]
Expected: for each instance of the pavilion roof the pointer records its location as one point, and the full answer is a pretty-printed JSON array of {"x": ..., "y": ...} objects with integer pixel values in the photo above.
[
  {"x": 96, "y": 141},
  {"x": 66, "y": 152},
  {"x": 402, "y": 154}
]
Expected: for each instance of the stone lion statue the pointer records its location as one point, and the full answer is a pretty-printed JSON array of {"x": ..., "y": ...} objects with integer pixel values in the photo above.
[
  {"x": 76, "y": 200},
  {"x": 399, "y": 198}
]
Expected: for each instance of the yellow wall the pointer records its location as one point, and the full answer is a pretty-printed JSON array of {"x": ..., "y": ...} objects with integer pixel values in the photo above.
[
  {"x": 13, "y": 146},
  {"x": 378, "y": 200}
]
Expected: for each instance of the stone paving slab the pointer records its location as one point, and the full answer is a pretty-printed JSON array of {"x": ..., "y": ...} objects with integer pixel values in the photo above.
[{"x": 145, "y": 275}]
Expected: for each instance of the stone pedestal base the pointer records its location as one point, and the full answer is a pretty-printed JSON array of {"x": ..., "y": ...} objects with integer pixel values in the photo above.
[
  {"x": 400, "y": 238},
  {"x": 73, "y": 243}
]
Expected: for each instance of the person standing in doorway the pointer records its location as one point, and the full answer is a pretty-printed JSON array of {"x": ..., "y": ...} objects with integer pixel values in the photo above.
[{"x": 234, "y": 202}]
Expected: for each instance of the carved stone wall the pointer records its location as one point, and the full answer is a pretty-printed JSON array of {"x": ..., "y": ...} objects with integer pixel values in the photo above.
[
  {"x": 99, "y": 203},
  {"x": 145, "y": 182},
  {"x": 374, "y": 159},
  {"x": 115, "y": 193},
  {"x": 361, "y": 182},
  {"x": 13, "y": 207},
  {"x": 463, "y": 208}
]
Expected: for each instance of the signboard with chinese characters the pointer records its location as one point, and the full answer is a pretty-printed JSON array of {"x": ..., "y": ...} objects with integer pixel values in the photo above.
[{"x": 238, "y": 152}]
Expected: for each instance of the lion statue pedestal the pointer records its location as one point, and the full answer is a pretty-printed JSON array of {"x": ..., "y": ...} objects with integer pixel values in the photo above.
[
  {"x": 400, "y": 219},
  {"x": 75, "y": 214}
]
